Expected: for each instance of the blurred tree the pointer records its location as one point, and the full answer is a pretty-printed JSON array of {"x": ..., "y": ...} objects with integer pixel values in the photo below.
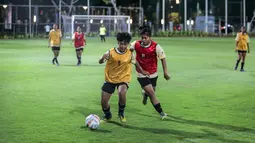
[{"x": 174, "y": 17}]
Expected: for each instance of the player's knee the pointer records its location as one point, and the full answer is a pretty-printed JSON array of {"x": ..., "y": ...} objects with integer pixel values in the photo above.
[
  {"x": 150, "y": 92},
  {"x": 122, "y": 93}
]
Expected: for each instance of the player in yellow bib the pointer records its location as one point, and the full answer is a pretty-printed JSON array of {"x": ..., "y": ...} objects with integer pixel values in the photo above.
[
  {"x": 55, "y": 42},
  {"x": 242, "y": 47},
  {"x": 118, "y": 72},
  {"x": 102, "y": 33}
]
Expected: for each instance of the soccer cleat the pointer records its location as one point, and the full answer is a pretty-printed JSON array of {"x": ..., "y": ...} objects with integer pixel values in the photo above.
[
  {"x": 163, "y": 115},
  {"x": 79, "y": 63},
  {"x": 242, "y": 70},
  {"x": 235, "y": 68},
  {"x": 105, "y": 119},
  {"x": 145, "y": 97},
  {"x": 122, "y": 119}
]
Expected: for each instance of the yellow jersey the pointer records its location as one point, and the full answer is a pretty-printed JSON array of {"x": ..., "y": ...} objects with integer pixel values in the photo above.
[
  {"x": 242, "y": 40},
  {"x": 118, "y": 68},
  {"x": 55, "y": 36},
  {"x": 102, "y": 31}
]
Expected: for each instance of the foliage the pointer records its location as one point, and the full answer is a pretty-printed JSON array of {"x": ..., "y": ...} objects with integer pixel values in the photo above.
[
  {"x": 135, "y": 34},
  {"x": 174, "y": 17}
]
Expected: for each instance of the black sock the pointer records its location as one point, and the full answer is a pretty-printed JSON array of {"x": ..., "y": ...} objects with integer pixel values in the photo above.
[
  {"x": 107, "y": 112},
  {"x": 56, "y": 60},
  {"x": 121, "y": 109},
  {"x": 237, "y": 63},
  {"x": 158, "y": 108},
  {"x": 242, "y": 65}
]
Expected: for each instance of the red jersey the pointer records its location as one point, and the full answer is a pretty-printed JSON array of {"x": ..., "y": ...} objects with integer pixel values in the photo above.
[
  {"x": 78, "y": 40},
  {"x": 146, "y": 57}
]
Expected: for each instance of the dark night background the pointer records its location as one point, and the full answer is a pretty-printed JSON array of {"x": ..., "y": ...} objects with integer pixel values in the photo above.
[
  {"x": 150, "y": 5},
  {"x": 217, "y": 7}
]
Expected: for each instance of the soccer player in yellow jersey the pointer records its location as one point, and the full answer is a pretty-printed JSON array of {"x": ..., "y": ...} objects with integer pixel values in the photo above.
[
  {"x": 102, "y": 33},
  {"x": 55, "y": 42},
  {"x": 118, "y": 72},
  {"x": 242, "y": 47}
]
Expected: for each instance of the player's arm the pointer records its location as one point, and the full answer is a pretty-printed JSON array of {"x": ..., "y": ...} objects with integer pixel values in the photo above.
[
  {"x": 137, "y": 65},
  {"x": 237, "y": 41},
  {"x": 60, "y": 38},
  {"x": 73, "y": 38},
  {"x": 104, "y": 57},
  {"x": 84, "y": 40},
  {"x": 248, "y": 46},
  {"x": 161, "y": 55},
  {"x": 132, "y": 46},
  {"x": 49, "y": 40}
]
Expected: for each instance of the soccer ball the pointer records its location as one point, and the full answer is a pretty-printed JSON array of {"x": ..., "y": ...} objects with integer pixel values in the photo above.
[{"x": 92, "y": 121}]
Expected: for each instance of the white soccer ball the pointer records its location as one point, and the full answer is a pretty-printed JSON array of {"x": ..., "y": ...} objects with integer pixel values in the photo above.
[{"x": 92, "y": 121}]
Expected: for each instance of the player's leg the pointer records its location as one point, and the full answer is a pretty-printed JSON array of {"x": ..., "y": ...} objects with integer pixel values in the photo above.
[
  {"x": 148, "y": 88},
  {"x": 107, "y": 90},
  {"x": 56, "y": 54},
  {"x": 104, "y": 38},
  {"x": 122, "y": 91},
  {"x": 238, "y": 59},
  {"x": 153, "y": 81},
  {"x": 105, "y": 97},
  {"x": 78, "y": 55},
  {"x": 243, "y": 61},
  {"x": 101, "y": 36},
  {"x": 143, "y": 82}
]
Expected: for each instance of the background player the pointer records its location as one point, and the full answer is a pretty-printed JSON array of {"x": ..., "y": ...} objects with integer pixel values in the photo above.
[
  {"x": 147, "y": 54},
  {"x": 102, "y": 33},
  {"x": 79, "y": 42},
  {"x": 118, "y": 72},
  {"x": 242, "y": 46},
  {"x": 55, "y": 42}
]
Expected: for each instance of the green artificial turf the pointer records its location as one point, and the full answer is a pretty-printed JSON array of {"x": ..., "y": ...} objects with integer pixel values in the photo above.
[{"x": 208, "y": 102}]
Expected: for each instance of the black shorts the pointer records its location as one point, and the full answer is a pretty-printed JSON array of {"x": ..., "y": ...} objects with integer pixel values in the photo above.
[
  {"x": 55, "y": 48},
  {"x": 80, "y": 49},
  {"x": 110, "y": 87},
  {"x": 146, "y": 81},
  {"x": 241, "y": 51}
]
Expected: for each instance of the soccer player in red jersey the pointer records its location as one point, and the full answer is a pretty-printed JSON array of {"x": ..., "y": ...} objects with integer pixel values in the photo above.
[
  {"x": 147, "y": 54},
  {"x": 79, "y": 42}
]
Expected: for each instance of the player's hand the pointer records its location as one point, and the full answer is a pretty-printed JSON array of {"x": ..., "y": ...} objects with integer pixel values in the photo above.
[
  {"x": 106, "y": 56},
  {"x": 166, "y": 76},
  {"x": 146, "y": 73},
  {"x": 236, "y": 49}
]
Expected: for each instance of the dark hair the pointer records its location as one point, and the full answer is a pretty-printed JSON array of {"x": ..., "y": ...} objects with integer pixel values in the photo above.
[
  {"x": 145, "y": 30},
  {"x": 124, "y": 37},
  {"x": 244, "y": 29}
]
